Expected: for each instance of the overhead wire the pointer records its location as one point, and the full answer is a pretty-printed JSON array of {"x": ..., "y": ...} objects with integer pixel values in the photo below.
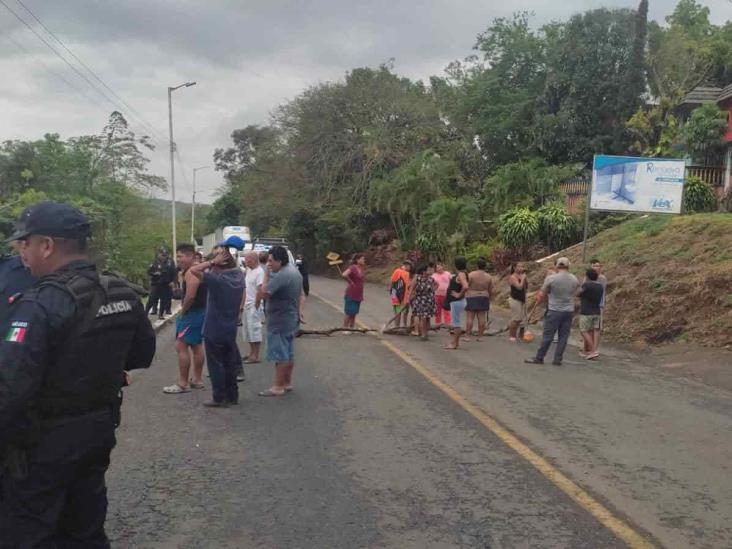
[
  {"x": 138, "y": 119},
  {"x": 131, "y": 109},
  {"x": 66, "y": 61},
  {"x": 53, "y": 72},
  {"x": 183, "y": 170}
]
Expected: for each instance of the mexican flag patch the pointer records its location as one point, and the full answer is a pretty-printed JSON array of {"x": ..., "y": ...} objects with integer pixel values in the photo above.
[{"x": 16, "y": 333}]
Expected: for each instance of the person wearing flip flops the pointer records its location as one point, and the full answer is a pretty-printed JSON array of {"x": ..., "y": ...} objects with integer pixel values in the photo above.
[
  {"x": 282, "y": 288},
  {"x": 225, "y": 287},
  {"x": 189, "y": 326}
]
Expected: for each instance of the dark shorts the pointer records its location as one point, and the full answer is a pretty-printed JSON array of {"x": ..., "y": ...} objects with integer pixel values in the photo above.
[
  {"x": 280, "y": 347},
  {"x": 351, "y": 307},
  {"x": 189, "y": 328},
  {"x": 477, "y": 303}
]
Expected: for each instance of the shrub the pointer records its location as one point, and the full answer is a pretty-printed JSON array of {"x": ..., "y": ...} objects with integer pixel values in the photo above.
[
  {"x": 698, "y": 196},
  {"x": 519, "y": 228},
  {"x": 557, "y": 227},
  {"x": 481, "y": 249},
  {"x": 726, "y": 201}
]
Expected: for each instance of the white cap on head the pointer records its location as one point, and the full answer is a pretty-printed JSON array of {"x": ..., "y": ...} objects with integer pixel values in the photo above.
[{"x": 563, "y": 262}]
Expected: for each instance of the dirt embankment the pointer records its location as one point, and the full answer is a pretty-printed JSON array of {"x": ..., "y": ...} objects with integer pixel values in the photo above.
[{"x": 670, "y": 279}]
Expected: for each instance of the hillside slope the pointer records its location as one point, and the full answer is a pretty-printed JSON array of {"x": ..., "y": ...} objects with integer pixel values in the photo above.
[{"x": 670, "y": 278}]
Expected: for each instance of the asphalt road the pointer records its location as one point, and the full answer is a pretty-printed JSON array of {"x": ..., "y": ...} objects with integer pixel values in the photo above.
[{"x": 368, "y": 452}]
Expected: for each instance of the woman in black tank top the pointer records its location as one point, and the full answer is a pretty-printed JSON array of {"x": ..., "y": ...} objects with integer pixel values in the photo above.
[
  {"x": 518, "y": 295},
  {"x": 517, "y": 302}
]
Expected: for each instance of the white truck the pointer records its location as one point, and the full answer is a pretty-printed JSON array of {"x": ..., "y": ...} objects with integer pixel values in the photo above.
[{"x": 210, "y": 240}]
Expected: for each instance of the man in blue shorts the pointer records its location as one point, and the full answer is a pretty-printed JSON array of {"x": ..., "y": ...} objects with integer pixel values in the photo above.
[
  {"x": 282, "y": 288},
  {"x": 189, "y": 326}
]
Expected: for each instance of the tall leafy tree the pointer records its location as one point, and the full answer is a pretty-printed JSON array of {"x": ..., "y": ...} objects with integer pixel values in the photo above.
[
  {"x": 594, "y": 86},
  {"x": 493, "y": 93}
]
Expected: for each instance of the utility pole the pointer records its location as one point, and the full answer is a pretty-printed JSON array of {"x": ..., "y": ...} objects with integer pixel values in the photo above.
[
  {"x": 193, "y": 205},
  {"x": 172, "y": 166},
  {"x": 172, "y": 160}
]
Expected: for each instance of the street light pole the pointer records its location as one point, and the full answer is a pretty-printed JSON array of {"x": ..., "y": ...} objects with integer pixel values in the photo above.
[
  {"x": 193, "y": 204},
  {"x": 172, "y": 151}
]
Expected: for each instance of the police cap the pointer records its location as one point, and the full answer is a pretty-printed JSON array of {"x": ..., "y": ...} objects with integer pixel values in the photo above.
[{"x": 51, "y": 219}]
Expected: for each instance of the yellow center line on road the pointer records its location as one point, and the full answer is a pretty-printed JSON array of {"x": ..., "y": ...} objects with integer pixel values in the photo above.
[{"x": 616, "y": 525}]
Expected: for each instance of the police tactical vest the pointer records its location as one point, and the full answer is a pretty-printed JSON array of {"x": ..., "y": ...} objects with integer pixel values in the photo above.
[{"x": 87, "y": 367}]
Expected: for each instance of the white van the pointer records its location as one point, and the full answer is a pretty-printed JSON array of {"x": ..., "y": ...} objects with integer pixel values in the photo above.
[{"x": 241, "y": 232}]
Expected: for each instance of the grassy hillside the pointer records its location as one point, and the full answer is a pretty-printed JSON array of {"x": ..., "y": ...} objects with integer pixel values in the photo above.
[
  {"x": 182, "y": 209},
  {"x": 670, "y": 278}
]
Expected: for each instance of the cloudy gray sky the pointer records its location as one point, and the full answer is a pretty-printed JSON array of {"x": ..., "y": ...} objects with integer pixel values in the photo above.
[{"x": 248, "y": 56}]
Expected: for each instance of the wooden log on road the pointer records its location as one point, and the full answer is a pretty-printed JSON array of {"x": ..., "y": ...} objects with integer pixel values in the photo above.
[{"x": 331, "y": 331}]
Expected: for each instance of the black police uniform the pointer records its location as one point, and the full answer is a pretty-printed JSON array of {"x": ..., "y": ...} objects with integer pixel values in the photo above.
[
  {"x": 63, "y": 350},
  {"x": 14, "y": 279},
  {"x": 162, "y": 272}
]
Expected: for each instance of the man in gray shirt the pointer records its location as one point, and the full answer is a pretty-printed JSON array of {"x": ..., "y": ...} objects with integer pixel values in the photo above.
[
  {"x": 282, "y": 288},
  {"x": 560, "y": 289}
]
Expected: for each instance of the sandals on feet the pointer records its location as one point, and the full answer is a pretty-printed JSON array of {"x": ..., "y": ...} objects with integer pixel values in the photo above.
[
  {"x": 272, "y": 393},
  {"x": 175, "y": 389},
  {"x": 197, "y": 385}
]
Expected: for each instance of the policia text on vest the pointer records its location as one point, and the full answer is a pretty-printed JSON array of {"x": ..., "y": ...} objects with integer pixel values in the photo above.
[{"x": 64, "y": 348}]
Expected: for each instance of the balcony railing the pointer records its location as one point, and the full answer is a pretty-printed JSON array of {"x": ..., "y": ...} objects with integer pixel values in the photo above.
[{"x": 713, "y": 175}]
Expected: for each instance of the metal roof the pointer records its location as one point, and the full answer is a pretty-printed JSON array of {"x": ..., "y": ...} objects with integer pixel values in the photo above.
[
  {"x": 726, "y": 93},
  {"x": 703, "y": 94}
]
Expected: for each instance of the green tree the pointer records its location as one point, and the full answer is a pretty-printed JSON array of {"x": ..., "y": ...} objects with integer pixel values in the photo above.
[
  {"x": 702, "y": 133},
  {"x": 655, "y": 131},
  {"x": 689, "y": 51},
  {"x": 529, "y": 183},
  {"x": 409, "y": 190},
  {"x": 593, "y": 88},
  {"x": 492, "y": 94},
  {"x": 446, "y": 224},
  {"x": 104, "y": 175}
]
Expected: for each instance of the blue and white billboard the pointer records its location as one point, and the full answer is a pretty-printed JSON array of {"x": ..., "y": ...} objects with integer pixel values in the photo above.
[{"x": 637, "y": 184}]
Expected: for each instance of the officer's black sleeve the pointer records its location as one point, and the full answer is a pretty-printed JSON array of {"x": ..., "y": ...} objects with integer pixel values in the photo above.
[
  {"x": 24, "y": 348},
  {"x": 143, "y": 344}
]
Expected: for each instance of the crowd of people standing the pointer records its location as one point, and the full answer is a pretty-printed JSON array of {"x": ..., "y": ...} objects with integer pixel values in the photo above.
[
  {"x": 219, "y": 296},
  {"x": 220, "y": 299},
  {"x": 428, "y": 296}
]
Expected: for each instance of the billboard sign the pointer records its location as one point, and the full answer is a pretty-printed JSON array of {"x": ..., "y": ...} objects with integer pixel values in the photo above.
[{"x": 637, "y": 184}]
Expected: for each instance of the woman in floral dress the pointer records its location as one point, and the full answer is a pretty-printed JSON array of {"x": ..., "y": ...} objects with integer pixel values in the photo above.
[{"x": 422, "y": 298}]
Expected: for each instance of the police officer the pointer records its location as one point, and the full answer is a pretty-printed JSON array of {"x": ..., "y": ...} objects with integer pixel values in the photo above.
[
  {"x": 65, "y": 347},
  {"x": 14, "y": 279}
]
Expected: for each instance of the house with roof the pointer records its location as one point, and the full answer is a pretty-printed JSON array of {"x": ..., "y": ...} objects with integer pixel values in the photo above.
[{"x": 717, "y": 168}]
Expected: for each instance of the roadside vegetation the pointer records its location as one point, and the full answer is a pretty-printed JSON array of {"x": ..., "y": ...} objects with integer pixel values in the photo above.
[
  {"x": 471, "y": 161},
  {"x": 106, "y": 176}
]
